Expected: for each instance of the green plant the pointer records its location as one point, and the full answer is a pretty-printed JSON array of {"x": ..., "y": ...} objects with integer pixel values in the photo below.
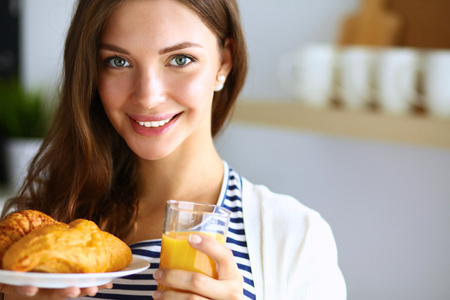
[{"x": 23, "y": 114}]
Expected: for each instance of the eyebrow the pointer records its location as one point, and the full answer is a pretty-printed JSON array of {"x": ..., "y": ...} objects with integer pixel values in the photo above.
[
  {"x": 179, "y": 46},
  {"x": 113, "y": 48},
  {"x": 173, "y": 48}
]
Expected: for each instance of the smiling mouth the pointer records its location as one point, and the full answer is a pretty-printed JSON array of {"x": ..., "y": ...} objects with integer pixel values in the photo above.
[{"x": 155, "y": 124}]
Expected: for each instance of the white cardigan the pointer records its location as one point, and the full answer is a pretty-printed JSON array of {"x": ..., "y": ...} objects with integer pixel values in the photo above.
[{"x": 292, "y": 249}]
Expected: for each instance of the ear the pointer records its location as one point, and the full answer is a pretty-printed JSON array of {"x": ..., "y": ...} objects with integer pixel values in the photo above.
[{"x": 227, "y": 58}]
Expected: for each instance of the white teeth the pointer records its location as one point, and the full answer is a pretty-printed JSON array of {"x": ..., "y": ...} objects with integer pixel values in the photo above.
[{"x": 154, "y": 123}]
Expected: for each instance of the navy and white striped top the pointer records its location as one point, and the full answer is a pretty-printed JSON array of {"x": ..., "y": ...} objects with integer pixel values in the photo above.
[{"x": 142, "y": 285}]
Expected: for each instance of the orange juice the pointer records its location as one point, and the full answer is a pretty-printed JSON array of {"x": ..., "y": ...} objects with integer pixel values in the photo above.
[{"x": 176, "y": 253}]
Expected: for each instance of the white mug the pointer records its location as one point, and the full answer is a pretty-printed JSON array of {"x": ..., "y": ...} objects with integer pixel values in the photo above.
[
  {"x": 356, "y": 67},
  {"x": 437, "y": 82},
  {"x": 396, "y": 79},
  {"x": 308, "y": 74}
]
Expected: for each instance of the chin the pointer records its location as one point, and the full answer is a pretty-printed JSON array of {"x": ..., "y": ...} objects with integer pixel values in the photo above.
[
  {"x": 152, "y": 153},
  {"x": 153, "y": 156},
  {"x": 145, "y": 154}
]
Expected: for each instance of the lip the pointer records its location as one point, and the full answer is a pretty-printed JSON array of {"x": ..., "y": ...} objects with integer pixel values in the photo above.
[{"x": 153, "y": 131}]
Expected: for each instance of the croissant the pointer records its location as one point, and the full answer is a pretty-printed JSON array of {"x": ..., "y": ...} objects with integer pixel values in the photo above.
[
  {"x": 79, "y": 247},
  {"x": 16, "y": 225}
]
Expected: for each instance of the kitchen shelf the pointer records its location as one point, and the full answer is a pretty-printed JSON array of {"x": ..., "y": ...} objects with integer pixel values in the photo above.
[{"x": 415, "y": 129}]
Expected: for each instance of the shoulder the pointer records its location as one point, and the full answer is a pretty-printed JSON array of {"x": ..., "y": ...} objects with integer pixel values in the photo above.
[
  {"x": 264, "y": 201},
  {"x": 290, "y": 221},
  {"x": 281, "y": 226}
]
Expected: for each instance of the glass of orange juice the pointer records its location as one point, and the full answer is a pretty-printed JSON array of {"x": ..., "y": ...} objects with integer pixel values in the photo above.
[{"x": 182, "y": 219}]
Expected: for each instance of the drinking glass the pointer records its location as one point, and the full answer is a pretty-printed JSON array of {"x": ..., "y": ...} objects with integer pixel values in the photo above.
[{"x": 183, "y": 218}]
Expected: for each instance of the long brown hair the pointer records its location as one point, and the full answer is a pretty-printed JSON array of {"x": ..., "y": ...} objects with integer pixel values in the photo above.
[{"x": 84, "y": 169}]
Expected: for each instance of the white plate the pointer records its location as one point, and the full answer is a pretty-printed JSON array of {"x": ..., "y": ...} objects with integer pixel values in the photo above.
[{"x": 63, "y": 280}]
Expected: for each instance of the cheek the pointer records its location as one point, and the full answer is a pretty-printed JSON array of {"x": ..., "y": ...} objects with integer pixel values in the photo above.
[
  {"x": 195, "y": 89},
  {"x": 110, "y": 91}
]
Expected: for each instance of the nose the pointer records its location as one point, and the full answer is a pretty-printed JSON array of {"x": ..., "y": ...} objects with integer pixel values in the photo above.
[{"x": 148, "y": 89}]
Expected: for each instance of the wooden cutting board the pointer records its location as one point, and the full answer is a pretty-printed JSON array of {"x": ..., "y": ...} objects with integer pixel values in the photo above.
[
  {"x": 373, "y": 25},
  {"x": 426, "y": 23}
]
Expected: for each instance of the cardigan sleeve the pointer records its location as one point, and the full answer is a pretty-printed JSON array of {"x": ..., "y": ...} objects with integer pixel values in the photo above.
[
  {"x": 316, "y": 269},
  {"x": 298, "y": 250}
]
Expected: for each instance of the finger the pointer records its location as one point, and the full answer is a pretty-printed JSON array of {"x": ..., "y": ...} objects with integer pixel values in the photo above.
[
  {"x": 179, "y": 295},
  {"x": 229, "y": 284},
  {"x": 222, "y": 256},
  {"x": 27, "y": 291},
  {"x": 93, "y": 290},
  {"x": 199, "y": 284},
  {"x": 183, "y": 280},
  {"x": 32, "y": 292},
  {"x": 58, "y": 294},
  {"x": 89, "y": 291},
  {"x": 14, "y": 292},
  {"x": 109, "y": 285}
]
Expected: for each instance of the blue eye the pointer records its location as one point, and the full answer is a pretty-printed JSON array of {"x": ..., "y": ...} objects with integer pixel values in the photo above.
[
  {"x": 117, "y": 62},
  {"x": 181, "y": 60}
]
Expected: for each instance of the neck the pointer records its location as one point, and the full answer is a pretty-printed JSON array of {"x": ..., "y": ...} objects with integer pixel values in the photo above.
[{"x": 193, "y": 176}]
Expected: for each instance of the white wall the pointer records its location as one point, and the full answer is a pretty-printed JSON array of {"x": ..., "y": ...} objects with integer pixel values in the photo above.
[{"x": 43, "y": 27}]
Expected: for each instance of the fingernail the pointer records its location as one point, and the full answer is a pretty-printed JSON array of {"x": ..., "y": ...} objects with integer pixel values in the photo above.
[
  {"x": 30, "y": 294},
  {"x": 195, "y": 239},
  {"x": 31, "y": 291},
  {"x": 157, "y": 274},
  {"x": 93, "y": 292},
  {"x": 74, "y": 295},
  {"x": 109, "y": 285},
  {"x": 156, "y": 295}
]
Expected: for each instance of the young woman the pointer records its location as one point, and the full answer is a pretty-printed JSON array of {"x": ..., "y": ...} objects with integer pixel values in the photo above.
[{"x": 147, "y": 85}]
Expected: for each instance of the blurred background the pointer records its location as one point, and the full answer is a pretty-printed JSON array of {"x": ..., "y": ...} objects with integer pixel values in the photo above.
[{"x": 346, "y": 108}]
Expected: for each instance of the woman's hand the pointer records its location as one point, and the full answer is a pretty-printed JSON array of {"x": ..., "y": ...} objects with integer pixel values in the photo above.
[
  {"x": 229, "y": 284},
  {"x": 32, "y": 292}
]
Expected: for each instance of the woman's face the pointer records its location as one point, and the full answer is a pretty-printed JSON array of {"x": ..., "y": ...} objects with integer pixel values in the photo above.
[{"x": 158, "y": 68}]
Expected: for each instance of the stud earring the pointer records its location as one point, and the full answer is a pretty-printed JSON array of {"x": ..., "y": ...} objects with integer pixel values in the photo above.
[{"x": 221, "y": 80}]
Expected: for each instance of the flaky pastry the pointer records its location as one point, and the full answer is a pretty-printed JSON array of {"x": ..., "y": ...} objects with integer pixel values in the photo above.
[
  {"x": 18, "y": 224},
  {"x": 77, "y": 247}
]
